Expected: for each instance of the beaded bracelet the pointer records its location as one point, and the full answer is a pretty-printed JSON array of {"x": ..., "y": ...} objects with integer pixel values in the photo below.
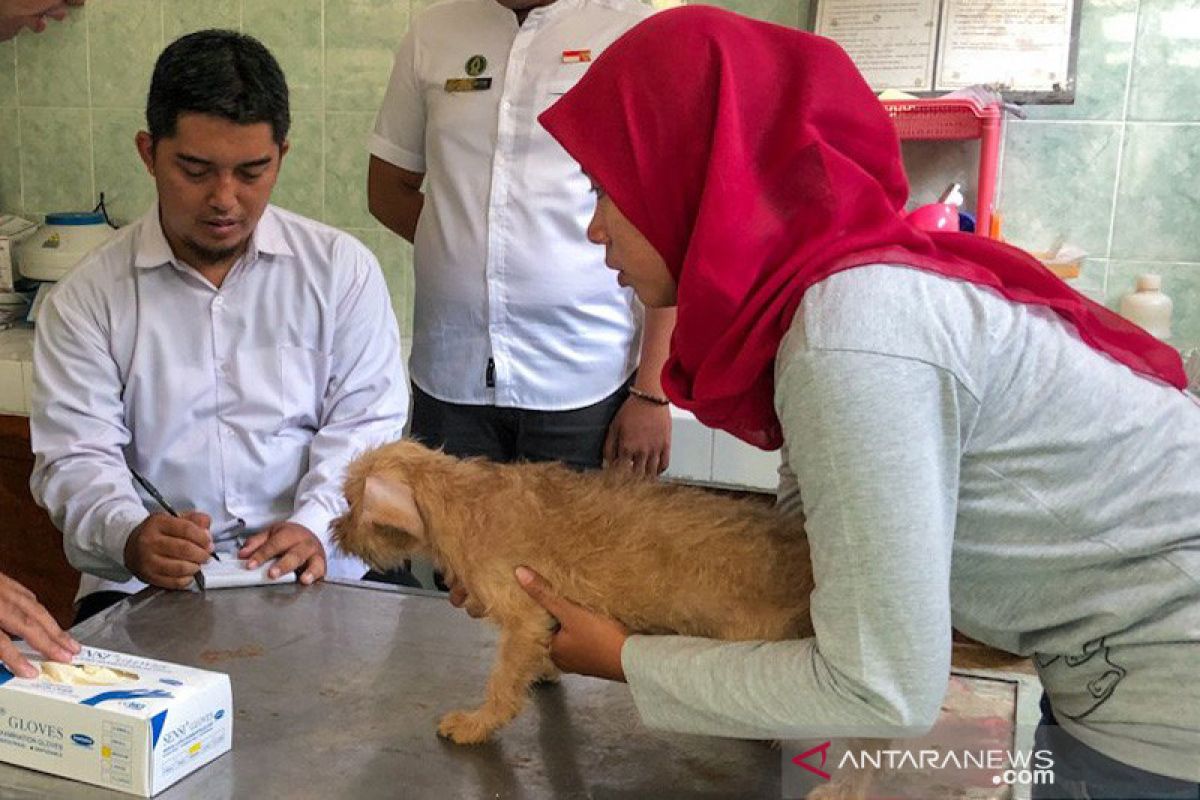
[{"x": 649, "y": 398}]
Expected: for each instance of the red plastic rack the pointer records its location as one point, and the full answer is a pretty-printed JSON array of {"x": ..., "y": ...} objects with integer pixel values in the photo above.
[{"x": 942, "y": 119}]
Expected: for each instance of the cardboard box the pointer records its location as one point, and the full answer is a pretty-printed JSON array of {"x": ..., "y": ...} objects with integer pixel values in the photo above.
[{"x": 138, "y": 727}]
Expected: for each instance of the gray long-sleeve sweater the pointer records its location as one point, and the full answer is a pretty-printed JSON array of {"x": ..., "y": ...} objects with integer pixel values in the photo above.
[{"x": 965, "y": 460}]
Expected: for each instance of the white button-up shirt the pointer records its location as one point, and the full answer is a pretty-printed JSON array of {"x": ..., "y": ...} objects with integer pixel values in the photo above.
[
  {"x": 504, "y": 271},
  {"x": 244, "y": 402}
]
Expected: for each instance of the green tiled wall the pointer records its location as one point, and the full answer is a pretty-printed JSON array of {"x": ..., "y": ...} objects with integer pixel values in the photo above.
[
  {"x": 1118, "y": 173},
  {"x": 72, "y": 98}
]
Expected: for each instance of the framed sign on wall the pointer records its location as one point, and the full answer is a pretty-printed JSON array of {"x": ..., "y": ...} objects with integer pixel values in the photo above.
[{"x": 1025, "y": 49}]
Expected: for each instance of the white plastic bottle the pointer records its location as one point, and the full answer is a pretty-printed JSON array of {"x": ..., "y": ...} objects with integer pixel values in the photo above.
[{"x": 1148, "y": 306}]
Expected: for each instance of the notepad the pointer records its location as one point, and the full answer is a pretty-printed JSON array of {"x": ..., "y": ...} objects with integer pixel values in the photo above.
[{"x": 231, "y": 573}]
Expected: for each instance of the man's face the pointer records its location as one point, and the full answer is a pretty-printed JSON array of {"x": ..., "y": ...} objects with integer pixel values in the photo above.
[{"x": 214, "y": 180}]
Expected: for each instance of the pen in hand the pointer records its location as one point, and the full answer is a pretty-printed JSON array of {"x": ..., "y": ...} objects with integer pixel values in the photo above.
[{"x": 158, "y": 498}]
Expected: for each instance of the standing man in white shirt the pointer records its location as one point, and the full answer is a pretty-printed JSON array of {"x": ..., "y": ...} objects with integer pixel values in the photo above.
[
  {"x": 522, "y": 348},
  {"x": 235, "y": 354}
]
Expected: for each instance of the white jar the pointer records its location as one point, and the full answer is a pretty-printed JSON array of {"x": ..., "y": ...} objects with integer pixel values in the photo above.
[
  {"x": 61, "y": 243},
  {"x": 1148, "y": 307}
]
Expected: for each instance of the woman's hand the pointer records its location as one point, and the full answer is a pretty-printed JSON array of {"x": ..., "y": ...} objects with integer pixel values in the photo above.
[
  {"x": 585, "y": 643},
  {"x": 22, "y": 615}
]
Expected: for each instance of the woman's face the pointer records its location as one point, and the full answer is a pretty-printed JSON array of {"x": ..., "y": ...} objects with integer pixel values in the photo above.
[{"x": 637, "y": 263}]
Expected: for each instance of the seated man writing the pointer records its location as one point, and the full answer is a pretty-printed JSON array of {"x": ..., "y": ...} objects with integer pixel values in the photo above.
[{"x": 235, "y": 354}]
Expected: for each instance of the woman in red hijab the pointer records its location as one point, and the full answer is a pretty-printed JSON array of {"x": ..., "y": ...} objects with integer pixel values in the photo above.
[{"x": 972, "y": 443}]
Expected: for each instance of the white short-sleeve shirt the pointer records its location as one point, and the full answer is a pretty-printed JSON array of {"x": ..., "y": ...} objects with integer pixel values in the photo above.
[{"x": 513, "y": 306}]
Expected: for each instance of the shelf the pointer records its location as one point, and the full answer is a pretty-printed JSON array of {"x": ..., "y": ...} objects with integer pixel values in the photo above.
[{"x": 940, "y": 119}]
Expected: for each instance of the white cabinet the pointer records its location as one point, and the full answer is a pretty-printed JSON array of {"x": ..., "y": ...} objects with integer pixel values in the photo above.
[
  {"x": 12, "y": 389},
  {"x": 16, "y": 370}
]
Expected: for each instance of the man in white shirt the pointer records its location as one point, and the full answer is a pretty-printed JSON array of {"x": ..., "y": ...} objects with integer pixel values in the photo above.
[
  {"x": 234, "y": 354},
  {"x": 523, "y": 348}
]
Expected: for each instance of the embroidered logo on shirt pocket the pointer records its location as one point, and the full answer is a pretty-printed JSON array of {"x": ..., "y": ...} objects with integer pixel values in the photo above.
[{"x": 303, "y": 376}]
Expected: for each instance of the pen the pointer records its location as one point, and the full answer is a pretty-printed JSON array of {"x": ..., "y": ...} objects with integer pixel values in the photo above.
[{"x": 158, "y": 498}]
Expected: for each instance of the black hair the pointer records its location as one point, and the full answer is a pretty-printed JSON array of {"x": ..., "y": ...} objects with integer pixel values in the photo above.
[{"x": 223, "y": 73}]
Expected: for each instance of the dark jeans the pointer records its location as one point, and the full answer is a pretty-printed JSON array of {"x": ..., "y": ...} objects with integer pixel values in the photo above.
[
  {"x": 401, "y": 576},
  {"x": 574, "y": 437},
  {"x": 1083, "y": 773},
  {"x": 92, "y": 604}
]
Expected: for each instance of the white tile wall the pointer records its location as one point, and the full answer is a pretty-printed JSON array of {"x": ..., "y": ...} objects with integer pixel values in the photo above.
[
  {"x": 691, "y": 448},
  {"x": 738, "y": 464},
  {"x": 701, "y": 455}
]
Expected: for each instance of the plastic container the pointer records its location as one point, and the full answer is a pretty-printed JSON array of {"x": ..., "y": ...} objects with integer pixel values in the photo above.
[
  {"x": 935, "y": 217},
  {"x": 1148, "y": 307},
  {"x": 1065, "y": 261},
  {"x": 61, "y": 243},
  {"x": 942, "y": 215}
]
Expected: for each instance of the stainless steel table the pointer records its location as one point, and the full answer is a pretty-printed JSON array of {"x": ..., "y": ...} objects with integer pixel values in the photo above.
[{"x": 338, "y": 689}]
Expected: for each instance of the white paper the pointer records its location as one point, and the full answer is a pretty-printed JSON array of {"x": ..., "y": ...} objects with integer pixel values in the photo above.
[
  {"x": 1021, "y": 45},
  {"x": 891, "y": 43},
  {"x": 941, "y": 45},
  {"x": 231, "y": 572}
]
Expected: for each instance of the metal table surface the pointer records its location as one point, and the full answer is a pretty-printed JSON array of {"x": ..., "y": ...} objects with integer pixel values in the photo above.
[{"x": 338, "y": 689}]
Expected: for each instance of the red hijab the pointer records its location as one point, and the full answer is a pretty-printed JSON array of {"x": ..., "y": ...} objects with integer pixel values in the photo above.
[{"x": 757, "y": 161}]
